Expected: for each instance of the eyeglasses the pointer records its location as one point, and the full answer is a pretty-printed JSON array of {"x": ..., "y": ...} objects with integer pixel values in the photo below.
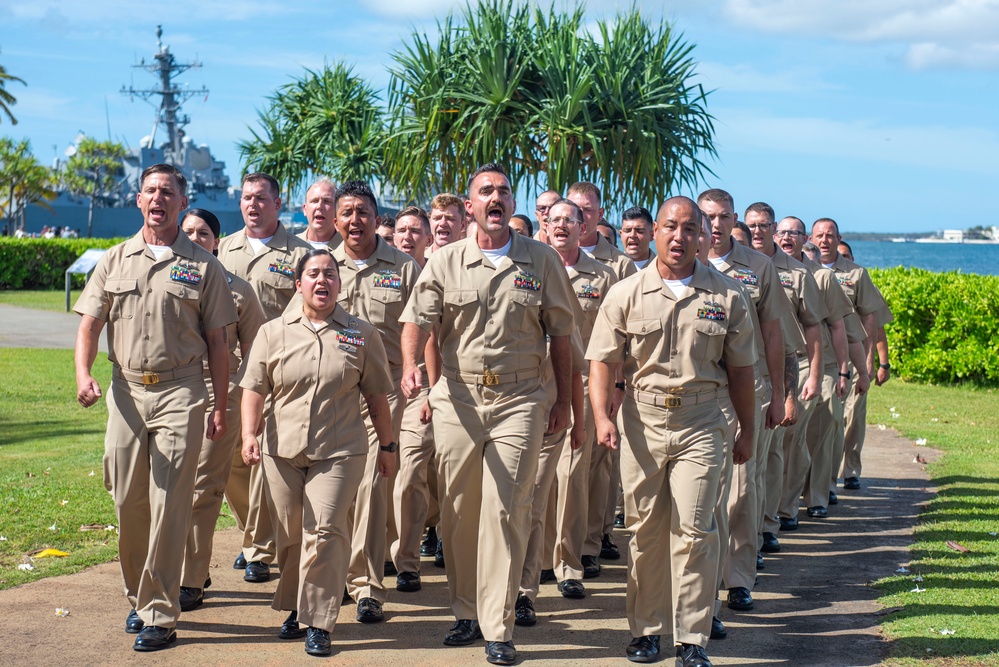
[
  {"x": 543, "y": 207},
  {"x": 762, "y": 227},
  {"x": 789, "y": 232},
  {"x": 564, "y": 220}
]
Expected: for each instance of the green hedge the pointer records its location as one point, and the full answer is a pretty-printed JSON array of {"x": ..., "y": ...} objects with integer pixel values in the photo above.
[
  {"x": 42, "y": 263},
  {"x": 946, "y": 327}
]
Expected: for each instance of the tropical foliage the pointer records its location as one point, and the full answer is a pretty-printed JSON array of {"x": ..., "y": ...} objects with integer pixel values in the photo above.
[
  {"x": 7, "y": 100},
  {"x": 95, "y": 172},
  {"x": 23, "y": 180}
]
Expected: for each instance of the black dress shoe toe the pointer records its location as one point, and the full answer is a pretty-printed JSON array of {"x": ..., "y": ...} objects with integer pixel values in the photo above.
[
  {"x": 619, "y": 520},
  {"x": 290, "y": 628},
  {"x": 740, "y": 599},
  {"x": 591, "y": 567},
  {"x": 390, "y": 570},
  {"x": 154, "y": 638},
  {"x": 718, "y": 629},
  {"x": 609, "y": 550},
  {"x": 643, "y": 649},
  {"x": 439, "y": 554},
  {"x": 133, "y": 624},
  {"x": 572, "y": 589},
  {"x": 408, "y": 582},
  {"x": 239, "y": 563},
  {"x": 524, "y": 614},
  {"x": 789, "y": 523},
  {"x": 760, "y": 565},
  {"x": 317, "y": 642},
  {"x": 691, "y": 655},
  {"x": 833, "y": 498},
  {"x": 256, "y": 572},
  {"x": 190, "y": 598},
  {"x": 501, "y": 653},
  {"x": 851, "y": 483},
  {"x": 547, "y": 576},
  {"x": 428, "y": 547},
  {"x": 462, "y": 633},
  {"x": 369, "y": 610},
  {"x": 771, "y": 544},
  {"x": 818, "y": 512}
]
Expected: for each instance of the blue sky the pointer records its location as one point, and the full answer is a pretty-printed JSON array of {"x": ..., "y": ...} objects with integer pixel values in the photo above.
[{"x": 878, "y": 113}]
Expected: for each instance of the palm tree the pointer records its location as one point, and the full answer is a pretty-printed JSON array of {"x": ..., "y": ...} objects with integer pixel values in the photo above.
[
  {"x": 6, "y": 99},
  {"x": 23, "y": 181}
]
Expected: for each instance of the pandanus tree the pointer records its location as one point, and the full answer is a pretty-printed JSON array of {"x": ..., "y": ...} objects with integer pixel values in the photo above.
[{"x": 7, "y": 100}]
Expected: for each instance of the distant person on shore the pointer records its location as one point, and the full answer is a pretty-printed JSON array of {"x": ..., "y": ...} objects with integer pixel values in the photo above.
[
  {"x": 157, "y": 399},
  {"x": 319, "y": 212},
  {"x": 636, "y": 235}
]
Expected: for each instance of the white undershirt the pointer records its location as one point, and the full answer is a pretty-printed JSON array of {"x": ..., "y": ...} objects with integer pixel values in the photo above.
[
  {"x": 641, "y": 263},
  {"x": 497, "y": 255},
  {"x": 320, "y": 245},
  {"x": 360, "y": 263},
  {"x": 829, "y": 266},
  {"x": 258, "y": 244},
  {"x": 678, "y": 286},
  {"x": 718, "y": 261},
  {"x": 588, "y": 249},
  {"x": 158, "y": 250}
]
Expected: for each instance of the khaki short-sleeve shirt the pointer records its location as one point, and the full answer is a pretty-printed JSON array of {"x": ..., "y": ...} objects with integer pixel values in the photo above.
[
  {"x": 157, "y": 310},
  {"x": 802, "y": 292},
  {"x": 271, "y": 273},
  {"x": 838, "y": 306},
  {"x": 590, "y": 280},
  {"x": 669, "y": 344},
  {"x": 857, "y": 285},
  {"x": 315, "y": 379},
  {"x": 493, "y": 319},
  {"x": 609, "y": 255},
  {"x": 250, "y": 318}
]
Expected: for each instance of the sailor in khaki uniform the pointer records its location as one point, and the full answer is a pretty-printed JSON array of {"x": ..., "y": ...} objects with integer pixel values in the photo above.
[
  {"x": 203, "y": 228},
  {"x": 166, "y": 305},
  {"x": 493, "y": 297},
  {"x": 671, "y": 327},
  {"x": 316, "y": 362},
  {"x": 263, "y": 254}
]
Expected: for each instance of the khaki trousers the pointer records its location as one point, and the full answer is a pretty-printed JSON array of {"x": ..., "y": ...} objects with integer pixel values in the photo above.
[
  {"x": 602, "y": 494},
  {"x": 724, "y": 488},
  {"x": 411, "y": 493},
  {"x": 821, "y": 436},
  {"x": 151, "y": 454},
  {"x": 572, "y": 480},
  {"x": 488, "y": 442},
  {"x": 534, "y": 560},
  {"x": 796, "y": 462},
  {"x": 370, "y": 516},
  {"x": 214, "y": 465},
  {"x": 311, "y": 502},
  {"x": 248, "y": 498},
  {"x": 855, "y": 416},
  {"x": 671, "y": 470}
]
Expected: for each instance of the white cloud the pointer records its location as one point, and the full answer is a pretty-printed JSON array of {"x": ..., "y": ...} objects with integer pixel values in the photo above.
[
  {"x": 927, "y": 55},
  {"x": 745, "y": 77}
]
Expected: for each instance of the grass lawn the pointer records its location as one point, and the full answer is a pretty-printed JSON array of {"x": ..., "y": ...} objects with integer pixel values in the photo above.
[
  {"x": 958, "y": 591},
  {"x": 51, "y": 476},
  {"x": 40, "y": 300}
]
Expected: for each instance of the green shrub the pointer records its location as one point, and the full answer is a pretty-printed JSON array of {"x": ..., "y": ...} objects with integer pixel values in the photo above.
[
  {"x": 946, "y": 327},
  {"x": 42, "y": 263}
]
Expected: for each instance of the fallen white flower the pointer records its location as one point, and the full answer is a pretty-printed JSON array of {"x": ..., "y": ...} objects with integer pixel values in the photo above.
[
  {"x": 934, "y": 420},
  {"x": 882, "y": 427},
  {"x": 918, "y": 577},
  {"x": 62, "y": 612},
  {"x": 91, "y": 474},
  {"x": 895, "y": 415},
  {"x": 946, "y": 631},
  {"x": 902, "y": 570},
  {"x": 52, "y": 527},
  {"x": 110, "y": 527},
  {"x": 917, "y": 589},
  {"x": 26, "y": 567},
  {"x": 991, "y": 533},
  {"x": 3, "y": 538},
  {"x": 921, "y": 442},
  {"x": 64, "y": 502},
  {"x": 891, "y": 409}
]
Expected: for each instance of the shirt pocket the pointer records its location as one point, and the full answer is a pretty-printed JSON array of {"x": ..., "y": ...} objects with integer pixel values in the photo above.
[
  {"x": 124, "y": 298},
  {"x": 275, "y": 290},
  {"x": 709, "y": 340},
  {"x": 459, "y": 307},
  {"x": 526, "y": 305},
  {"x": 386, "y": 305},
  {"x": 180, "y": 302},
  {"x": 643, "y": 337}
]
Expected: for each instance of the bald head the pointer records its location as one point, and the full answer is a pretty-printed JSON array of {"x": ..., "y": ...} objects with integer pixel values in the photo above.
[{"x": 682, "y": 204}]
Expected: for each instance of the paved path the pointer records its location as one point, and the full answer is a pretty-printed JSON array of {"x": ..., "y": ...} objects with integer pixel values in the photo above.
[{"x": 27, "y": 327}]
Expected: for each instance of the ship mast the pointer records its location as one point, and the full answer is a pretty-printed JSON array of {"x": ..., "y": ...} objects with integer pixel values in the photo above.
[{"x": 166, "y": 68}]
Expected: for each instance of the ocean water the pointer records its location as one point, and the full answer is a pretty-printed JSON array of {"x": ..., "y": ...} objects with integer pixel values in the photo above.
[{"x": 982, "y": 259}]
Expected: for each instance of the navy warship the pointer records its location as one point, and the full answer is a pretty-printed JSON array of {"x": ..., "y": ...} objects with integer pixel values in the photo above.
[{"x": 116, "y": 214}]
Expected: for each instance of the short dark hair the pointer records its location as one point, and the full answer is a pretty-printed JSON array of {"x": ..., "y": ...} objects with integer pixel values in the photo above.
[
  {"x": 358, "y": 189},
  {"x": 762, "y": 207},
  {"x": 210, "y": 219},
  {"x": 716, "y": 195},
  {"x": 584, "y": 188},
  {"x": 315, "y": 252},
  {"x": 637, "y": 213},
  {"x": 795, "y": 218},
  {"x": 743, "y": 227},
  {"x": 568, "y": 202},
  {"x": 387, "y": 221},
  {"x": 419, "y": 214},
  {"x": 257, "y": 176},
  {"x": 604, "y": 223},
  {"x": 489, "y": 167},
  {"x": 167, "y": 169},
  {"x": 527, "y": 221},
  {"x": 834, "y": 223},
  {"x": 848, "y": 248}
]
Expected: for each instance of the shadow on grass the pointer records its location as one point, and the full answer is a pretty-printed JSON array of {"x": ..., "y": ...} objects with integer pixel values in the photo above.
[{"x": 15, "y": 433}]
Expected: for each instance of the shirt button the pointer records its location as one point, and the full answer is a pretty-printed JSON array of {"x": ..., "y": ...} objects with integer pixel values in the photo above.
[
  {"x": 147, "y": 337},
  {"x": 304, "y": 426},
  {"x": 149, "y": 291}
]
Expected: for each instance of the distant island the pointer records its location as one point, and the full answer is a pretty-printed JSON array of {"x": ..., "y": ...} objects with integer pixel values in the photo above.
[{"x": 977, "y": 234}]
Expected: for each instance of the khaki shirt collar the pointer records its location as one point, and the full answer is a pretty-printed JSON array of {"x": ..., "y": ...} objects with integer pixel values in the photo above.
[
  {"x": 739, "y": 255},
  {"x": 182, "y": 247},
  {"x": 844, "y": 265},
  {"x": 338, "y": 316},
  {"x": 518, "y": 251},
  {"x": 653, "y": 282},
  {"x": 603, "y": 249},
  {"x": 586, "y": 264},
  {"x": 382, "y": 253}
]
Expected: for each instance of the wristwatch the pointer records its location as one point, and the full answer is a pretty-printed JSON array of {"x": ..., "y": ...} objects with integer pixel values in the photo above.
[
  {"x": 390, "y": 448},
  {"x": 619, "y": 385},
  {"x": 887, "y": 367},
  {"x": 846, "y": 375}
]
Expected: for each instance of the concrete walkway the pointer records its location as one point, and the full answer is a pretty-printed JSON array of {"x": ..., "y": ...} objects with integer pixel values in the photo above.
[{"x": 27, "y": 327}]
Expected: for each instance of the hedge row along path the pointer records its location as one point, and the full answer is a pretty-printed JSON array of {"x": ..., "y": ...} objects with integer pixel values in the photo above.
[{"x": 814, "y": 605}]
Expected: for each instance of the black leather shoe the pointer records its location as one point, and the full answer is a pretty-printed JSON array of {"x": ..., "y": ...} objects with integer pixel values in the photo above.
[
  {"x": 619, "y": 520},
  {"x": 833, "y": 498},
  {"x": 643, "y": 649},
  {"x": 256, "y": 572},
  {"x": 390, "y": 570},
  {"x": 718, "y": 629},
  {"x": 501, "y": 653},
  {"x": 346, "y": 599},
  {"x": 154, "y": 638},
  {"x": 547, "y": 576},
  {"x": 691, "y": 655},
  {"x": 133, "y": 624},
  {"x": 439, "y": 554},
  {"x": 760, "y": 565},
  {"x": 771, "y": 544},
  {"x": 190, "y": 598},
  {"x": 290, "y": 628},
  {"x": 609, "y": 550},
  {"x": 818, "y": 512},
  {"x": 408, "y": 582},
  {"x": 851, "y": 483},
  {"x": 788, "y": 524},
  {"x": 428, "y": 547},
  {"x": 572, "y": 589},
  {"x": 740, "y": 599},
  {"x": 591, "y": 567},
  {"x": 239, "y": 563},
  {"x": 369, "y": 610},
  {"x": 524, "y": 611},
  {"x": 317, "y": 642},
  {"x": 462, "y": 633},
  {"x": 208, "y": 583}
]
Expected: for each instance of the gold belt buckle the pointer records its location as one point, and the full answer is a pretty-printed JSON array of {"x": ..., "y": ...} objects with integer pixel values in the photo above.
[
  {"x": 150, "y": 378},
  {"x": 490, "y": 379},
  {"x": 672, "y": 401}
]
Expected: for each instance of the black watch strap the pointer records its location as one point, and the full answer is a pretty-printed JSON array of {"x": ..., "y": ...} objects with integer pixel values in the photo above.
[{"x": 390, "y": 448}]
